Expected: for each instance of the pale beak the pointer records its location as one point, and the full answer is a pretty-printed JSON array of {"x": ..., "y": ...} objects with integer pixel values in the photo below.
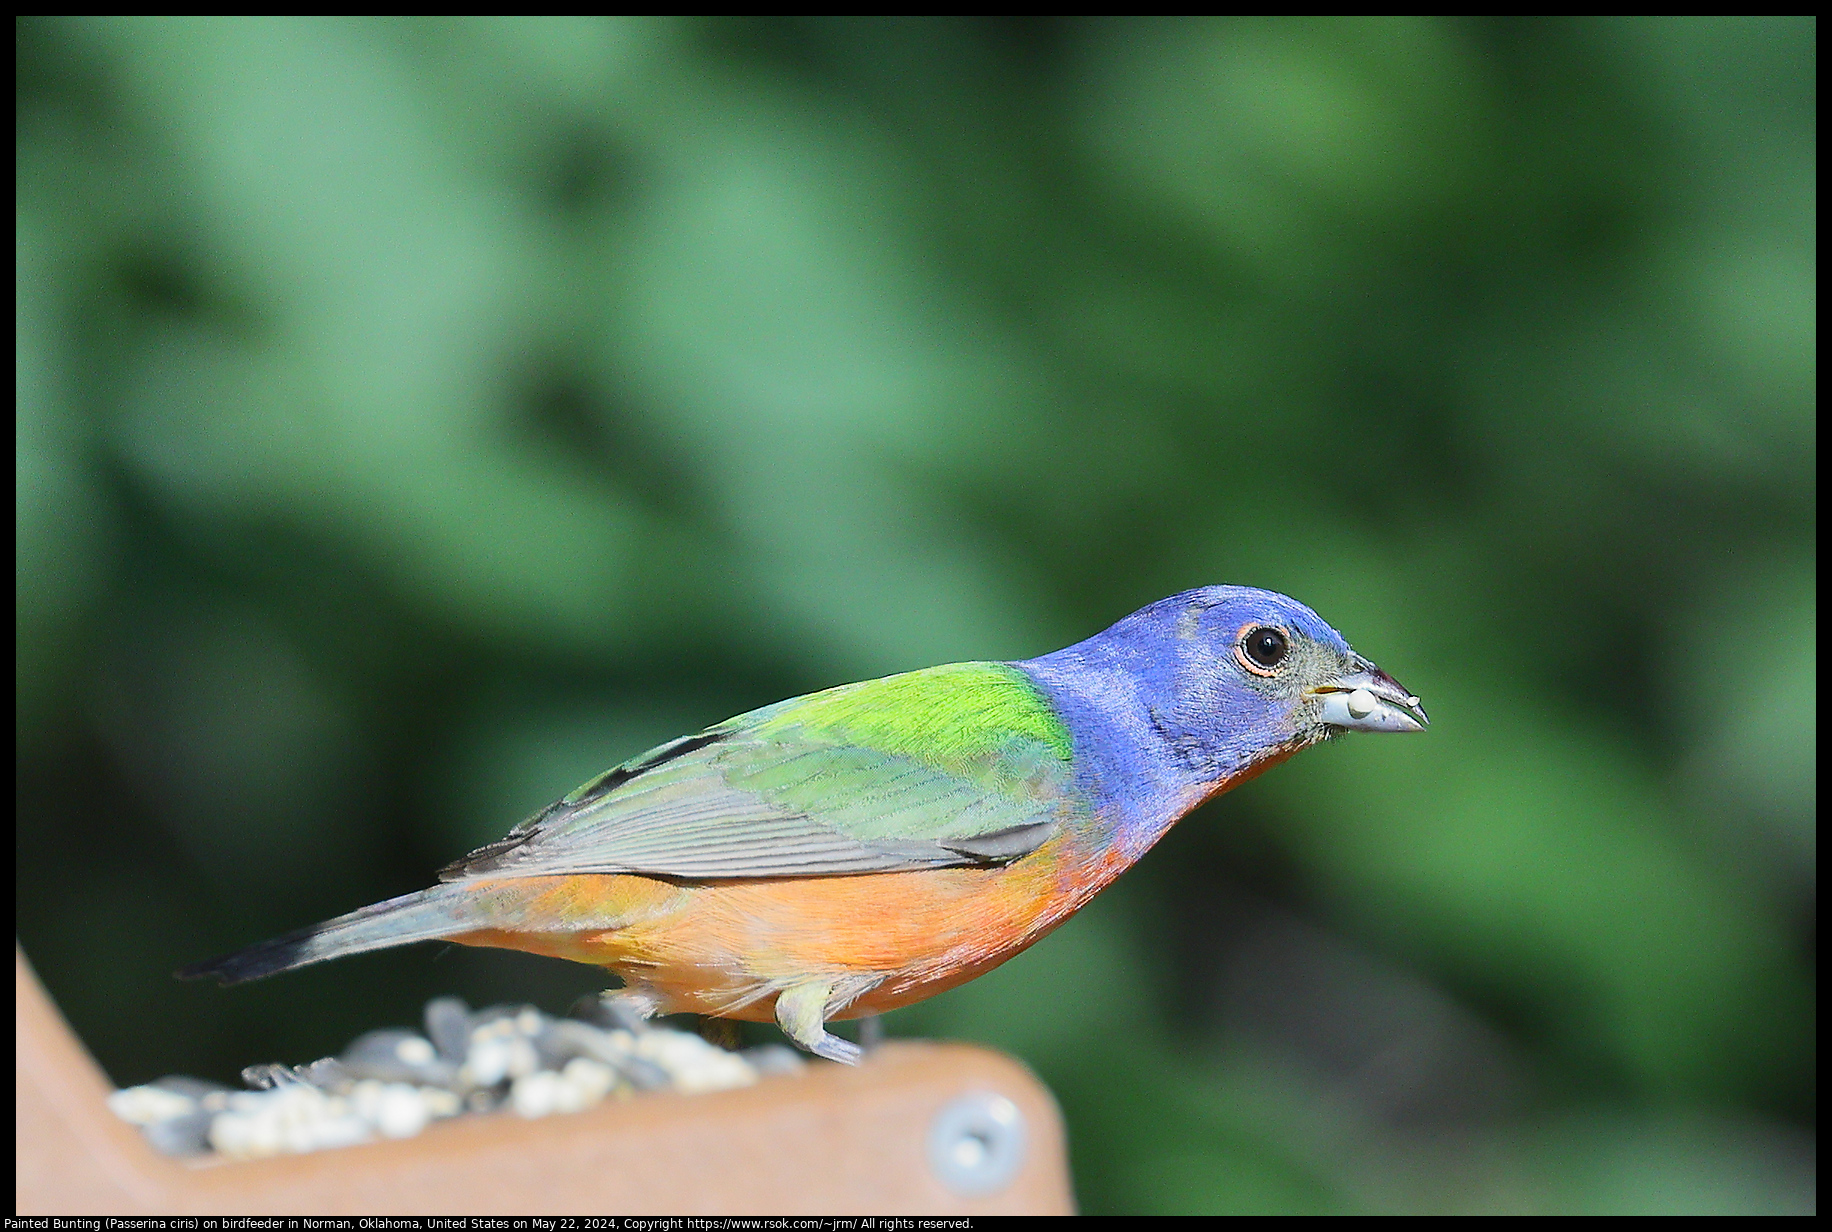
[{"x": 1368, "y": 699}]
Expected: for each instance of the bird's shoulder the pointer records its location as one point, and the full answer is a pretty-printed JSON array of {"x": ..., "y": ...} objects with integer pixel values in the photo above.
[{"x": 955, "y": 717}]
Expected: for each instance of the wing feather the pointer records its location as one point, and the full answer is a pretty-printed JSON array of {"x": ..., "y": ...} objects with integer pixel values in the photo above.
[{"x": 767, "y": 795}]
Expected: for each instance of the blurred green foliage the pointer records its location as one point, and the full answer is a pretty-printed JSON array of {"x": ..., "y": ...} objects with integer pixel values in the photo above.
[{"x": 415, "y": 417}]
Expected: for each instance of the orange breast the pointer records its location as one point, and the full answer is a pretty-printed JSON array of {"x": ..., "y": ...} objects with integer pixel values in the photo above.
[{"x": 726, "y": 947}]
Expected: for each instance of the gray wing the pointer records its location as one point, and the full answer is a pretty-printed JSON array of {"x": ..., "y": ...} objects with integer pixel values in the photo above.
[{"x": 729, "y": 803}]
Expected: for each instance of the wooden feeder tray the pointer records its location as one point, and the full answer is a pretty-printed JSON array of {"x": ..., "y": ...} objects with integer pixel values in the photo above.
[{"x": 832, "y": 1141}]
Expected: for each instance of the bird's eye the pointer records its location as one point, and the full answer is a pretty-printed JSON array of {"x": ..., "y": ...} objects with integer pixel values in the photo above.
[{"x": 1266, "y": 648}]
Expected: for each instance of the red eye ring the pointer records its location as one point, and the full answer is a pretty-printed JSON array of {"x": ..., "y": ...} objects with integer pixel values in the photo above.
[{"x": 1261, "y": 648}]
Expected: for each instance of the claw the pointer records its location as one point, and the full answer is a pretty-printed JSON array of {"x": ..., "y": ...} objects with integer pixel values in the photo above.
[{"x": 834, "y": 1048}]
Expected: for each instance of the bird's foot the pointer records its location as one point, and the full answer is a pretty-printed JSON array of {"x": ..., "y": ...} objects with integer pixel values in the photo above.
[{"x": 801, "y": 1012}]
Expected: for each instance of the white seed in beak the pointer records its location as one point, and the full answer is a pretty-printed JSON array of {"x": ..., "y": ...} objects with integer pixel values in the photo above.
[{"x": 1361, "y": 704}]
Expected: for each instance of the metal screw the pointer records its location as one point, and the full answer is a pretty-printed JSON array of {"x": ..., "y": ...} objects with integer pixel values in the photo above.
[{"x": 976, "y": 1143}]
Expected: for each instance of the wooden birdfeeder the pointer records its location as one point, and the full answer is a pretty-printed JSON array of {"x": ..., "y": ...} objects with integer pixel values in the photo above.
[{"x": 918, "y": 1129}]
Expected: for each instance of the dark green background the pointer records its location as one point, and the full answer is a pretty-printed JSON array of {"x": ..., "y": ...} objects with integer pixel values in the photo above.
[{"x": 418, "y": 417}]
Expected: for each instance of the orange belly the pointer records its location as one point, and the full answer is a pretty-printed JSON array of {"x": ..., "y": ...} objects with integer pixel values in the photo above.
[{"x": 726, "y": 948}]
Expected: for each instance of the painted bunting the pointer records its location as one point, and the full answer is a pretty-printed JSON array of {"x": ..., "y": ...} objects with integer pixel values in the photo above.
[{"x": 868, "y": 846}]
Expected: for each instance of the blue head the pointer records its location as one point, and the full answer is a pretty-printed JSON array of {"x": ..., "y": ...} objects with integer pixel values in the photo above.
[{"x": 1198, "y": 691}]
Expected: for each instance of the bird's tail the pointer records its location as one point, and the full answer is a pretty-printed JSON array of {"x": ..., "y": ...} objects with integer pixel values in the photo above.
[{"x": 425, "y": 915}]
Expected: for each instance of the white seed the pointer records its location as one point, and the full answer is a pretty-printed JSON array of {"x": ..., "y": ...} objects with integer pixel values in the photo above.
[
  {"x": 297, "y": 1116},
  {"x": 498, "y": 1057},
  {"x": 441, "y": 1102},
  {"x": 394, "y": 1108},
  {"x": 536, "y": 1095},
  {"x": 523, "y": 1059},
  {"x": 1361, "y": 704},
  {"x": 286, "y": 1119},
  {"x": 415, "y": 1051},
  {"x": 579, "y": 1086},
  {"x": 590, "y": 1080},
  {"x": 694, "y": 1064},
  {"x": 245, "y": 1136},
  {"x": 487, "y": 1064},
  {"x": 150, "y": 1105}
]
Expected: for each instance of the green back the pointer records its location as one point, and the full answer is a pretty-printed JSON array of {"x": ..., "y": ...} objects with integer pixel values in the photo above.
[
  {"x": 961, "y": 764},
  {"x": 952, "y": 717}
]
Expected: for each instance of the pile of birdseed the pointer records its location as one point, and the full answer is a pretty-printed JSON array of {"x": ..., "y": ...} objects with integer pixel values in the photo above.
[{"x": 393, "y": 1083}]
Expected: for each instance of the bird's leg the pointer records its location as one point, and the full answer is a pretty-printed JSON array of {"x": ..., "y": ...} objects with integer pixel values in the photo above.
[
  {"x": 721, "y": 1033},
  {"x": 801, "y": 1012},
  {"x": 871, "y": 1031}
]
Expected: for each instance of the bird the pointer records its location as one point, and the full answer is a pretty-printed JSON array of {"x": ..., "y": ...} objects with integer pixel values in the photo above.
[{"x": 862, "y": 848}]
